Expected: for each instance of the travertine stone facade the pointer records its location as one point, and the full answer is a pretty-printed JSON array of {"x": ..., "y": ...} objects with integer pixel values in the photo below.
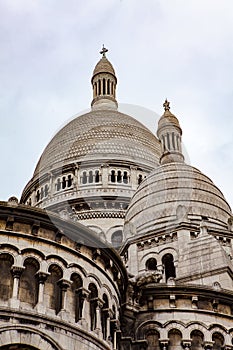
[{"x": 167, "y": 283}]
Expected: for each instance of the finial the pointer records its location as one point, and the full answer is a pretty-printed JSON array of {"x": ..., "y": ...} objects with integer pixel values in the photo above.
[
  {"x": 166, "y": 105},
  {"x": 103, "y": 51}
]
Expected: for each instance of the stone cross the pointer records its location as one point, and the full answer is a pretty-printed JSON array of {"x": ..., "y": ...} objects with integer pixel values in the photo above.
[
  {"x": 103, "y": 51},
  {"x": 166, "y": 105}
]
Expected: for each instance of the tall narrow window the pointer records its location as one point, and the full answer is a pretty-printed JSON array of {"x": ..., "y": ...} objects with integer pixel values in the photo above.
[
  {"x": 119, "y": 176},
  {"x": 63, "y": 182},
  {"x": 6, "y": 282},
  {"x": 139, "y": 179},
  {"x": 113, "y": 176},
  {"x": 169, "y": 266},
  {"x": 152, "y": 337},
  {"x": 37, "y": 195},
  {"x": 46, "y": 190},
  {"x": 52, "y": 290},
  {"x": 99, "y": 87},
  {"x": 104, "y": 87},
  {"x": 42, "y": 192},
  {"x": 125, "y": 177},
  {"x": 76, "y": 297},
  {"x": 108, "y": 87},
  {"x": 84, "y": 177},
  {"x": 90, "y": 176},
  {"x": 69, "y": 181},
  {"x": 93, "y": 296},
  {"x": 58, "y": 184},
  {"x": 97, "y": 176},
  {"x": 104, "y": 316},
  {"x": 28, "y": 285},
  {"x": 175, "y": 337}
]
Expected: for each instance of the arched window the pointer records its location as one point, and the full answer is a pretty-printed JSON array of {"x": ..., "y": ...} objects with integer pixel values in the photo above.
[
  {"x": 97, "y": 176},
  {"x": 42, "y": 193},
  {"x": 139, "y": 179},
  {"x": 151, "y": 264},
  {"x": 152, "y": 337},
  {"x": 69, "y": 181},
  {"x": 104, "y": 316},
  {"x": 63, "y": 182},
  {"x": 52, "y": 290},
  {"x": 117, "y": 238},
  {"x": 175, "y": 337},
  {"x": 125, "y": 177},
  {"x": 197, "y": 340},
  {"x": 46, "y": 190},
  {"x": 93, "y": 296},
  {"x": 99, "y": 87},
  {"x": 119, "y": 176},
  {"x": 113, "y": 176},
  {"x": 169, "y": 266},
  {"x": 37, "y": 195},
  {"x": 108, "y": 87},
  {"x": 6, "y": 281},
  {"x": 218, "y": 340},
  {"x": 95, "y": 89},
  {"x": 84, "y": 180},
  {"x": 30, "y": 201},
  {"x": 90, "y": 176},
  {"x": 104, "y": 87},
  {"x": 76, "y": 297},
  {"x": 28, "y": 283},
  {"x": 58, "y": 184}
]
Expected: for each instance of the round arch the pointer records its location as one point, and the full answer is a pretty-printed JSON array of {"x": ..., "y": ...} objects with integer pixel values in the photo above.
[{"x": 13, "y": 336}]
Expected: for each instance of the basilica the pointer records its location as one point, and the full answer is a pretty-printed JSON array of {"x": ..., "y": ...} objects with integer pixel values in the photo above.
[{"x": 116, "y": 242}]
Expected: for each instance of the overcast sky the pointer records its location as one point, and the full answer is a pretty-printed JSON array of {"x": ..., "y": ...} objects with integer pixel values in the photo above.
[{"x": 179, "y": 49}]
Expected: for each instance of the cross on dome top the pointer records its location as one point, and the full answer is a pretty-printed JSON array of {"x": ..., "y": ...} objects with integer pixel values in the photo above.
[
  {"x": 166, "y": 105},
  {"x": 103, "y": 51}
]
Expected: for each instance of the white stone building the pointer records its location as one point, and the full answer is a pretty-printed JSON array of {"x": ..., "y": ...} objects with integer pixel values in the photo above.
[{"x": 116, "y": 243}]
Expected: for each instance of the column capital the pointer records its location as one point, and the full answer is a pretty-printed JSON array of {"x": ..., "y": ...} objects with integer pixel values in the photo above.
[
  {"x": 186, "y": 344},
  {"x": 17, "y": 271},
  {"x": 164, "y": 344},
  {"x": 42, "y": 276},
  {"x": 208, "y": 345},
  {"x": 64, "y": 284}
]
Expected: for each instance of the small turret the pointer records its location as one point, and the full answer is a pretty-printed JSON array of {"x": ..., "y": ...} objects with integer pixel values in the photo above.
[
  {"x": 104, "y": 84},
  {"x": 169, "y": 133}
]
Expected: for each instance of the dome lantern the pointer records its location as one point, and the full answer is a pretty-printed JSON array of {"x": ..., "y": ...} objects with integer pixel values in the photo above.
[
  {"x": 169, "y": 133},
  {"x": 104, "y": 84}
]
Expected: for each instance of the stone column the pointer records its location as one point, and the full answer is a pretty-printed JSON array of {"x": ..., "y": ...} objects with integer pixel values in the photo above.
[
  {"x": 42, "y": 277},
  {"x": 64, "y": 285},
  {"x": 85, "y": 312},
  {"x": 98, "y": 327},
  {"x": 16, "y": 273}
]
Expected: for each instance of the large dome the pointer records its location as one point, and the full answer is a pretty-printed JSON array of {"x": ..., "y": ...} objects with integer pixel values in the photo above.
[
  {"x": 176, "y": 191},
  {"x": 100, "y": 134}
]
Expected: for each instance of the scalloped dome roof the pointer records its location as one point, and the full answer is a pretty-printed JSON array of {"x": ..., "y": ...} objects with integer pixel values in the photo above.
[
  {"x": 103, "y": 135},
  {"x": 172, "y": 191}
]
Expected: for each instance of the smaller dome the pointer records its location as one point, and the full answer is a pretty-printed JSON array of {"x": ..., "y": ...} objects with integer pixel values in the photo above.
[
  {"x": 168, "y": 117},
  {"x": 176, "y": 191},
  {"x": 103, "y": 66}
]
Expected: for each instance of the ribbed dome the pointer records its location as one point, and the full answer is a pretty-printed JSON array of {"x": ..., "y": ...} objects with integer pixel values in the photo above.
[
  {"x": 103, "y": 66},
  {"x": 100, "y": 134},
  {"x": 168, "y": 117},
  {"x": 174, "y": 191}
]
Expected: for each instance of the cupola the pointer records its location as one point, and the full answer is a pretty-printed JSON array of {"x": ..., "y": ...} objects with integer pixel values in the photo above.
[
  {"x": 169, "y": 133},
  {"x": 104, "y": 84}
]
